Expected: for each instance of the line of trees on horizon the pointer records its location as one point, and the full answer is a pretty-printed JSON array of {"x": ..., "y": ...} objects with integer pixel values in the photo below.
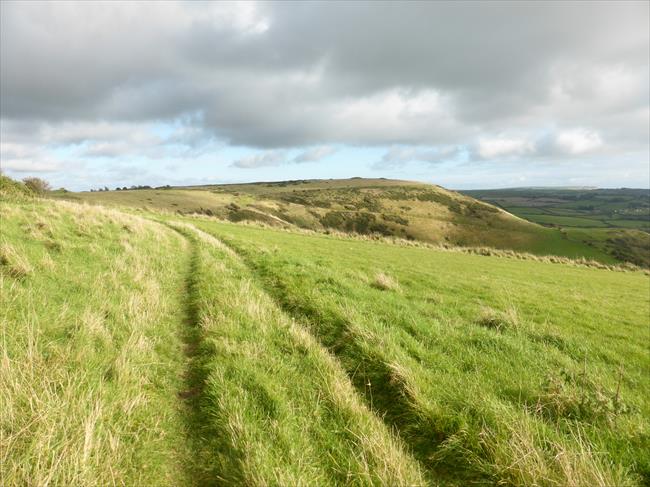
[{"x": 130, "y": 188}]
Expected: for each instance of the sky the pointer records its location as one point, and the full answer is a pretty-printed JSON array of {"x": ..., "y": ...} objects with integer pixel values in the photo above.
[{"x": 466, "y": 95}]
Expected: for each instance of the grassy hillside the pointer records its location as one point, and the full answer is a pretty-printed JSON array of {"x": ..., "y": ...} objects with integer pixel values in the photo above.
[
  {"x": 161, "y": 349},
  {"x": 402, "y": 209},
  {"x": 135, "y": 353},
  {"x": 486, "y": 374},
  {"x": 90, "y": 302}
]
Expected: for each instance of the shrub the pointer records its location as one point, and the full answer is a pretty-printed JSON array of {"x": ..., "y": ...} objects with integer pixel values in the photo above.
[
  {"x": 10, "y": 189},
  {"x": 395, "y": 219},
  {"x": 37, "y": 185}
]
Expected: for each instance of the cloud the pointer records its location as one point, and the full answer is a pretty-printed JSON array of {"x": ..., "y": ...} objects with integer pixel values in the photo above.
[
  {"x": 31, "y": 165},
  {"x": 103, "y": 77},
  {"x": 267, "y": 75},
  {"x": 398, "y": 156},
  {"x": 269, "y": 158},
  {"x": 578, "y": 141},
  {"x": 490, "y": 148},
  {"x": 315, "y": 154},
  {"x": 20, "y": 158}
]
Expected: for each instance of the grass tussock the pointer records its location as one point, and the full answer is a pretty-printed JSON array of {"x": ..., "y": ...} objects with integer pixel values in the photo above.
[
  {"x": 524, "y": 456},
  {"x": 499, "y": 320},
  {"x": 577, "y": 396},
  {"x": 14, "y": 263},
  {"x": 384, "y": 282}
]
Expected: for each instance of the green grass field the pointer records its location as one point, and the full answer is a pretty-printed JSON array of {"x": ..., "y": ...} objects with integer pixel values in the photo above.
[
  {"x": 142, "y": 347},
  {"x": 590, "y": 207}
]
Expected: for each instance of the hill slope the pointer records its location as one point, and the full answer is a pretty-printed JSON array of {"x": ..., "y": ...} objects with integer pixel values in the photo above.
[
  {"x": 163, "y": 349},
  {"x": 402, "y": 209}
]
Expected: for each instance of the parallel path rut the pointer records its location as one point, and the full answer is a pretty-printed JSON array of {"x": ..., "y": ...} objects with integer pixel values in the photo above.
[
  {"x": 372, "y": 381},
  {"x": 197, "y": 426},
  {"x": 197, "y": 375}
]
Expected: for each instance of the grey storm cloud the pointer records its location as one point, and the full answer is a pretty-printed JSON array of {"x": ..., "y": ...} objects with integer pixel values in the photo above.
[{"x": 281, "y": 75}]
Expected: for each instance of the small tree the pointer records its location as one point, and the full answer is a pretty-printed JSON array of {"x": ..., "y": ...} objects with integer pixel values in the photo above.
[{"x": 37, "y": 185}]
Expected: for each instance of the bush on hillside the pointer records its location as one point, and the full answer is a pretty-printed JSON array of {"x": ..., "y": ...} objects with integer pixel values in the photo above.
[
  {"x": 10, "y": 189},
  {"x": 37, "y": 185}
]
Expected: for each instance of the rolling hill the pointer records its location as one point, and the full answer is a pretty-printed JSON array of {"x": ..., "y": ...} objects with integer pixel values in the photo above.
[
  {"x": 156, "y": 348},
  {"x": 401, "y": 209}
]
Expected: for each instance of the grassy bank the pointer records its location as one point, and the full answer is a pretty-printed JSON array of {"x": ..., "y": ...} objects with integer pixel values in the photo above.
[{"x": 90, "y": 356}]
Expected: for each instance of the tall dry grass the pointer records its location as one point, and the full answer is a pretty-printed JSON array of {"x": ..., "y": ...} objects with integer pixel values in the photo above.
[{"x": 89, "y": 353}]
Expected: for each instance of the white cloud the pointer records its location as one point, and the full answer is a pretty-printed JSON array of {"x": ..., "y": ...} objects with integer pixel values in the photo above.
[
  {"x": 578, "y": 141},
  {"x": 490, "y": 148},
  {"x": 399, "y": 155},
  {"x": 23, "y": 158},
  {"x": 315, "y": 154},
  {"x": 268, "y": 158},
  {"x": 31, "y": 165}
]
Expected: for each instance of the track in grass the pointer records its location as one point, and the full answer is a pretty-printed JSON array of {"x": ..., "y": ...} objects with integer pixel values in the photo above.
[
  {"x": 275, "y": 407},
  {"x": 196, "y": 424},
  {"x": 449, "y": 376},
  {"x": 374, "y": 380}
]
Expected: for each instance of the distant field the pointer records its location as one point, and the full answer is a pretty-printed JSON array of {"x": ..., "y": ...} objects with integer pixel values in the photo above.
[
  {"x": 146, "y": 347},
  {"x": 613, "y": 208},
  {"x": 613, "y": 221},
  {"x": 561, "y": 220}
]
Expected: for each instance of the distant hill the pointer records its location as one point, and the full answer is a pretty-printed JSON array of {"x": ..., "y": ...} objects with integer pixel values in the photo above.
[
  {"x": 616, "y": 221},
  {"x": 403, "y": 209}
]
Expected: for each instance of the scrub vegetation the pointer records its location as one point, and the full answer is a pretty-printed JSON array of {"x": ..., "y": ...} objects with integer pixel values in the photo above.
[
  {"x": 391, "y": 208},
  {"x": 156, "y": 347}
]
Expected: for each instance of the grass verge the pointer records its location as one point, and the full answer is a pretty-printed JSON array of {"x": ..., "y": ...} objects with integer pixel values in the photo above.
[{"x": 89, "y": 348}]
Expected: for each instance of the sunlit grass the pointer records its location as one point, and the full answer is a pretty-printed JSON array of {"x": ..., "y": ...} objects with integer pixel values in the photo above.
[
  {"x": 462, "y": 359},
  {"x": 155, "y": 349},
  {"x": 90, "y": 356}
]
